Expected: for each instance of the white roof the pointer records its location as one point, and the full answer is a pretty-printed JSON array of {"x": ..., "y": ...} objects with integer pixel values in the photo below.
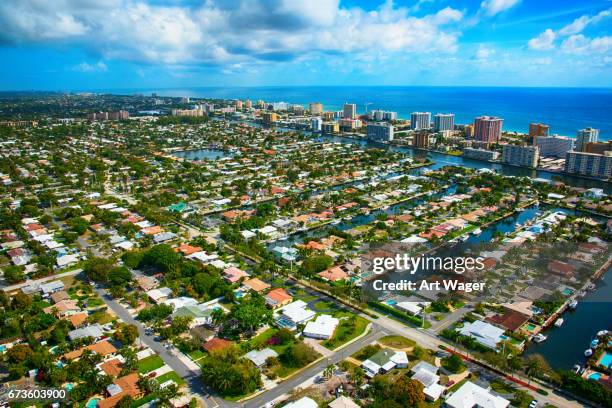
[
  {"x": 51, "y": 286},
  {"x": 322, "y": 326},
  {"x": 413, "y": 239},
  {"x": 182, "y": 301},
  {"x": 297, "y": 311},
  {"x": 66, "y": 260},
  {"x": 259, "y": 357},
  {"x": 484, "y": 333},
  {"x": 159, "y": 293},
  {"x": 470, "y": 395},
  {"x": 303, "y": 402},
  {"x": 343, "y": 402},
  {"x": 127, "y": 245},
  {"x": 202, "y": 256},
  {"x": 268, "y": 229},
  {"x": 248, "y": 234},
  {"x": 410, "y": 307}
]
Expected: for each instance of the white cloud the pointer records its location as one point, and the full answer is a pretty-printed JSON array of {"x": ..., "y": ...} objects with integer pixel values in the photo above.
[
  {"x": 226, "y": 32},
  {"x": 579, "y": 44},
  {"x": 582, "y": 22},
  {"x": 86, "y": 67},
  {"x": 483, "y": 52},
  {"x": 493, "y": 7},
  {"x": 544, "y": 41}
]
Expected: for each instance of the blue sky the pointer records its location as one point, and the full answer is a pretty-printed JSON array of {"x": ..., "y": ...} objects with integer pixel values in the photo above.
[{"x": 115, "y": 44}]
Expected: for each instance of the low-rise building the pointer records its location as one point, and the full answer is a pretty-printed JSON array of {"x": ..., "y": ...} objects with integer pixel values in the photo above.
[
  {"x": 480, "y": 154},
  {"x": 322, "y": 327},
  {"x": 383, "y": 361},
  {"x": 470, "y": 395}
]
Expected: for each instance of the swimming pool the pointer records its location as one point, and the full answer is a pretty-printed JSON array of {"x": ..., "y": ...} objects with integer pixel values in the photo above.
[
  {"x": 567, "y": 291},
  {"x": 92, "y": 403},
  {"x": 595, "y": 376},
  {"x": 391, "y": 302},
  {"x": 606, "y": 360}
]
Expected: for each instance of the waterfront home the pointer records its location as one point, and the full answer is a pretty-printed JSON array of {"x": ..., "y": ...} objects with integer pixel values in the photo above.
[
  {"x": 322, "y": 327},
  {"x": 384, "y": 361},
  {"x": 470, "y": 395},
  {"x": 561, "y": 268},
  {"x": 510, "y": 320},
  {"x": 484, "y": 333},
  {"x": 295, "y": 313}
]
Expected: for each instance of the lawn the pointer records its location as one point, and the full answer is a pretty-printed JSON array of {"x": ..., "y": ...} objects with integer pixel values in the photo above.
[
  {"x": 397, "y": 342},
  {"x": 196, "y": 354},
  {"x": 149, "y": 364},
  {"x": 347, "y": 330},
  {"x": 170, "y": 376},
  {"x": 323, "y": 306}
]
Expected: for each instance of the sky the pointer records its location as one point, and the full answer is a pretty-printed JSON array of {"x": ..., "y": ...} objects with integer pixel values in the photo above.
[{"x": 129, "y": 44}]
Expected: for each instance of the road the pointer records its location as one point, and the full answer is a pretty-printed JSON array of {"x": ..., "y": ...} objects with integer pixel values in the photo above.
[
  {"x": 41, "y": 280},
  {"x": 184, "y": 367},
  {"x": 295, "y": 381}
]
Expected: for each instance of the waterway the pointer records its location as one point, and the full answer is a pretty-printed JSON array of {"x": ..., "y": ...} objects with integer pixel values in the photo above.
[
  {"x": 565, "y": 345},
  {"x": 202, "y": 154}
]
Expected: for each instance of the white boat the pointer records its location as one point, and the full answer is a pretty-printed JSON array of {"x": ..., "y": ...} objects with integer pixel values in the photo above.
[
  {"x": 573, "y": 304},
  {"x": 477, "y": 231},
  {"x": 559, "y": 322},
  {"x": 335, "y": 222},
  {"x": 538, "y": 338},
  {"x": 588, "y": 353},
  {"x": 602, "y": 333},
  {"x": 577, "y": 368}
]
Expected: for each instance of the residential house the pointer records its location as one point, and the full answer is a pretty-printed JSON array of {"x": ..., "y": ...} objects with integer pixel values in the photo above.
[
  {"x": 51, "y": 287},
  {"x": 484, "y": 333},
  {"x": 121, "y": 387},
  {"x": 94, "y": 331},
  {"x": 383, "y": 361},
  {"x": 233, "y": 274},
  {"x": 278, "y": 297},
  {"x": 294, "y": 313},
  {"x": 322, "y": 327},
  {"x": 255, "y": 284},
  {"x": 470, "y": 395},
  {"x": 259, "y": 357},
  {"x": 427, "y": 375}
]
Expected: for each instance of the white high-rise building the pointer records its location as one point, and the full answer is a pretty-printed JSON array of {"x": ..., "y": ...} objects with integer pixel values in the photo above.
[
  {"x": 349, "y": 111},
  {"x": 554, "y": 146},
  {"x": 444, "y": 121},
  {"x": 388, "y": 115},
  {"x": 380, "y": 132},
  {"x": 585, "y": 136},
  {"x": 420, "y": 120},
  {"x": 316, "y": 124}
]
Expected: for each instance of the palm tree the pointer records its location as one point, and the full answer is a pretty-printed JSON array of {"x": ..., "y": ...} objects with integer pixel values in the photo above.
[
  {"x": 533, "y": 368},
  {"x": 328, "y": 372},
  {"x": 167, "y": 394}
]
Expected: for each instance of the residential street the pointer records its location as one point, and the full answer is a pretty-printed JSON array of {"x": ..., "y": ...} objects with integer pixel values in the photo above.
[{"x": 190, "y": 372}]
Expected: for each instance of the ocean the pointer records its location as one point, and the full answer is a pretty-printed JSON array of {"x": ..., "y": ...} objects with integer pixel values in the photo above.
[{"x": 566, "y": 110}]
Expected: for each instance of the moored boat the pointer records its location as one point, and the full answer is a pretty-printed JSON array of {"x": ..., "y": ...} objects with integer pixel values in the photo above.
[
  {"x": 538, "y": 338},
  {"x": 573, "y": 304},
  {"x": 559, "y": 322},
  {"x": 588, "y": 353}
]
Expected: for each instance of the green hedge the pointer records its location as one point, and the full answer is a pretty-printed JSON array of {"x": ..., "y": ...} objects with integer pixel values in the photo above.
[{"x": 417, "y": 321}]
